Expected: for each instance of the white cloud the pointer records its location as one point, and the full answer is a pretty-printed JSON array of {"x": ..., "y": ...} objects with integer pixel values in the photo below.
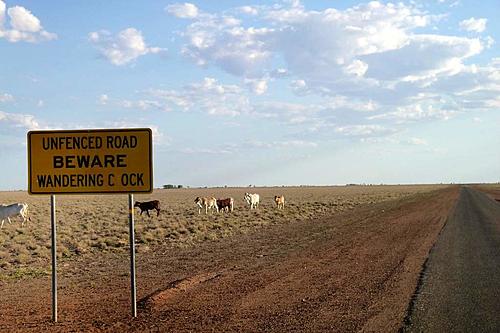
[
  {"x": 159, "y": 138},
  {"x": 18, "y": 120},
  {"x": 298, "y": 35},
  {"x": 473, "y": 24},
  {"x": 451, "y": 3},
  {"x": 40, "y": 103},
  {"x": 250, "y": 10},
  {"x": 356, "y": 67},
  {"x": 123, "y": 48},
  {"x": 21, "y": 19},
  {"x": 279, "y": 73},
  {"x": 417, "y": 142},
  {"x": 344, "y": 102},
  {"x": 6, "y": 97},
  {"x": 209, "y": 151},
  {"x": 214, "y": 98},
  {"x": 300, "y": 87},
  {"x": 415, "y": 112},
  {"x": 183, "y": 10},
  {"x": 231, "y": 148},
  {"x": 103, "y": 99},
  {"x": 488, "y": 42},
  {"x": 208, "y": 96},
  {"x": 296, "y": 144},
  {"x": 3, "y": 8},
  {"x": 495, "y": 62},
  {"x": 473, "y": 87},
  {"x": 141, "y": 104},
  {"x": 364, "y": 130},
  {"x": 284, "y": 144},
  {"x": 258, "y": 86},
  {"x": 228, "y": 45},
  {"x": 372, "y": 52},
  {"x": 374, "y": 72},
  {"x": 24, "y": 26},
  {"x": 423, "y": 56}
]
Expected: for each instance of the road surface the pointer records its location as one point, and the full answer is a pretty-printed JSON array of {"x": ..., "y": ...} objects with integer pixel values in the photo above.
[{"x": 460, "y": 290}]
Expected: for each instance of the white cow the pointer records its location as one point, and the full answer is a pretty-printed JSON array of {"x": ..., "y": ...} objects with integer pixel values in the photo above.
[
  {"x": 252, "y": 199},
  {"x": 207, "y": 203},
  {"x": 8, "y": 211}
]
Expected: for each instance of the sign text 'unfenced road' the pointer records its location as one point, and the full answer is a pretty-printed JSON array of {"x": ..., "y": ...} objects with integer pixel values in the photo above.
[{"x": 90, "y": 161}]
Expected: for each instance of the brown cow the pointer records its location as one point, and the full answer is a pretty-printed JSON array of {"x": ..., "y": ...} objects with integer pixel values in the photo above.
[
  {"x": 280, "y": 201},
  {"x": 225, "y": 204},
  {"x": 148, "y": 205},
  {"x": 208, "y": 203}
]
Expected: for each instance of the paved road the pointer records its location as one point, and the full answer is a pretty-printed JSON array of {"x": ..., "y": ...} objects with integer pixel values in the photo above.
[{"x": 461, "y": 286}]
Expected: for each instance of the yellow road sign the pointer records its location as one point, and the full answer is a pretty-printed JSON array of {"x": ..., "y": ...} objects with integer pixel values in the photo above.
[{"x": 90, "y": 161}]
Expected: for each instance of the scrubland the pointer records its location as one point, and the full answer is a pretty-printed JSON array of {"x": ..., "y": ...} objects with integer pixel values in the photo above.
[{"x": 88, "y": 224}]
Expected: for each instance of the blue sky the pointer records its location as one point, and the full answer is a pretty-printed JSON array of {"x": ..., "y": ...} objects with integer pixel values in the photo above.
[{"x": 262, "y": 92}]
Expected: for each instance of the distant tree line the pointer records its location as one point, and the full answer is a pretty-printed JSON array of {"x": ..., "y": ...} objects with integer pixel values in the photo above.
[{"x": 170, "y": 186}]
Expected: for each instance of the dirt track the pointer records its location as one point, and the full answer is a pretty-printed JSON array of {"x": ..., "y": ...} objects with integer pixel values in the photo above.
[{"x": 355, "y": 271}]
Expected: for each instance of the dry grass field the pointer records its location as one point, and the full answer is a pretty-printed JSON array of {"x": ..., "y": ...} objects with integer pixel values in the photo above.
[
  {"x": 336, "y": 259},
  {"x": 99, "y": 223}
]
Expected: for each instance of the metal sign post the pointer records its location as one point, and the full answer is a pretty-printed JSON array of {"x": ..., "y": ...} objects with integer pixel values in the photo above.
[
  {"x": 54, "y": 256},
  {"x": 133, "y": 293}
]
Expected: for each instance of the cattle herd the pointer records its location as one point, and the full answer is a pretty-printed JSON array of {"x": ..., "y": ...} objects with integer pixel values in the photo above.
[
  {"x": 208, "y": 204},
  {"x": 211, "y": 204},
  {"x": 227, "y": 204}
]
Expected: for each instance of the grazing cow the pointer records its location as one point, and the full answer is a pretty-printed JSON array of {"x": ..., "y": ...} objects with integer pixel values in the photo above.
[
  {"x": 252, "y": 199},
  {"x": 8, "y": 211},
  {"x": 225, "y": 204},
  {"x": 146, "y": 206},
  {"x": 280, "y": 201},
  {"x": 208, "y": 203}
]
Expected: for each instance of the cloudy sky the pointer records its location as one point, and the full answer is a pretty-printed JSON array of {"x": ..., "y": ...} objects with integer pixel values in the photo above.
[{"x": 262, "y": 92}]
